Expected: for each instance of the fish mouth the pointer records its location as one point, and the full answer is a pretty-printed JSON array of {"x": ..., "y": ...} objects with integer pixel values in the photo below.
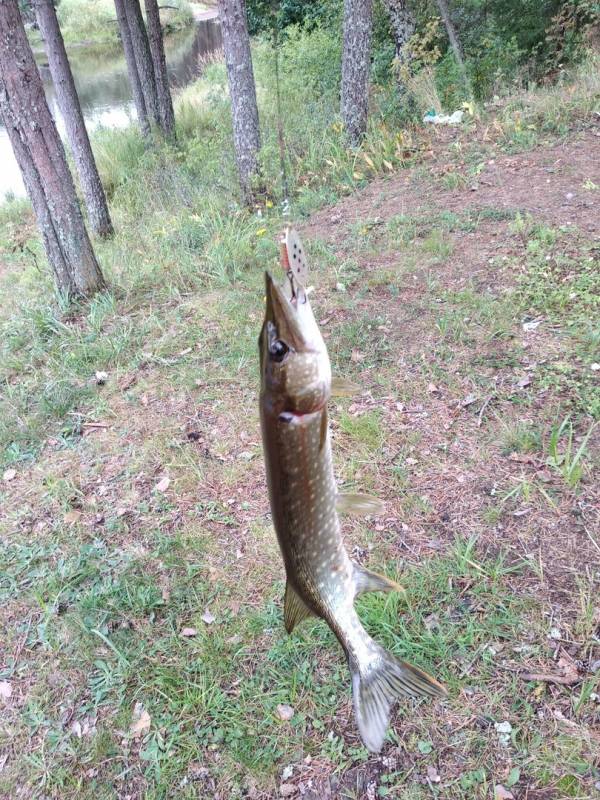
[{"x": 282, "y": 311}]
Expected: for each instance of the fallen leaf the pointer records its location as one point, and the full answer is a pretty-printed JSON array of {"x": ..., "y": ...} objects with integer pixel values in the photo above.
[
  {"x": 522, "y": 458},
  {"x": 469, "y": 400},
  {"x": 5, "y": 689},
  {"x": 189, "y": 631},
  {"x": 500, "y": 793},
  {"x": 285, "y": 712},
  {"x": 141, "y": 721},
  {"x": 569, "y": 667},
  {"x": 432, "y": 775},
  {"x": 287, "y": 789},
  {"x": 433, "y": 389},
  {"x": 127, "y": 381},
  {"x": 163, "y": 484},
  {"x": 71, "y": 517},
  {"x": 9, "y": 474},
  {"x": 208, "y": 617},
  {"x": 76, "y": 729}
]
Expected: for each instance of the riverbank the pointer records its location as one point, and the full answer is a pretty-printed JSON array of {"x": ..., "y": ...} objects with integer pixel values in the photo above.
[{"x": 93, "y": 23}]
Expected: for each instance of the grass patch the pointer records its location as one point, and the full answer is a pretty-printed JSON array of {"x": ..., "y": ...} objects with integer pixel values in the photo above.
[{"x": 216, "y": 692}]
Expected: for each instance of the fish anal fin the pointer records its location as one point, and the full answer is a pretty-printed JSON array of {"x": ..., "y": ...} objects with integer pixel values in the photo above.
[
  {"x": 359, "y": 505},
  {"x": 342, "y": 387},
  {"x": 294, "y": 608},
  {"x": 367, "y": 581}
]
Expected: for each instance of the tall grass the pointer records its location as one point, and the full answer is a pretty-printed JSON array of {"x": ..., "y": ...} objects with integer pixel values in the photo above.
[{"x": 94, "y": 22}]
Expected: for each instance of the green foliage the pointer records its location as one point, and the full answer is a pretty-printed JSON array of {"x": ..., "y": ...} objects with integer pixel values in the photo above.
[{"x": 264, "y": 14}]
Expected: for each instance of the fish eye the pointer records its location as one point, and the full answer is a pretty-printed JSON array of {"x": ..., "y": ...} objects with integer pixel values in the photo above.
[{"x": 278, "y": 350}]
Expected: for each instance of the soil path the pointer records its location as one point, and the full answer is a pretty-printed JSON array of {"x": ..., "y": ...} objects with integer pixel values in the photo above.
[{"x": 555, "y": 184}]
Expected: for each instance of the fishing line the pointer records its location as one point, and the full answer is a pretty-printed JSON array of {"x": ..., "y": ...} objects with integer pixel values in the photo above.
[{"x": 280, "y": 139}]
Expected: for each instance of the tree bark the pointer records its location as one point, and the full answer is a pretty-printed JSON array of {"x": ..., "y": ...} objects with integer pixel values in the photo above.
[
  {"x": 155, "y": 39},
  {"x": 356, "y": 65},
  {"x": 143, "y": 57},
  {"x": 132, "y": 70},
  {"x": 70, "y": 108},
  {"x": 244, "y": 109},
  {"x": 403, "y": 26},
  {"x": 454, "y": 42},
  {"x": 41, "y": 158}
]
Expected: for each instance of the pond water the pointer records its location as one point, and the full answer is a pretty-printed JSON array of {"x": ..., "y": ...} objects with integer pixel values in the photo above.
[{"x": 104, "y": 91}]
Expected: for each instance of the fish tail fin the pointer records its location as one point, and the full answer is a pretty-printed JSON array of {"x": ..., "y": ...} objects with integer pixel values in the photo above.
[{"x": 376, "y": 685}]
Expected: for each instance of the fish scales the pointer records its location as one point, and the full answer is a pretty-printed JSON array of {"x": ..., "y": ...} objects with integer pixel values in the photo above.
[
  {"x": 322, "y": 580},
  {"x": 304, "y": 510}
]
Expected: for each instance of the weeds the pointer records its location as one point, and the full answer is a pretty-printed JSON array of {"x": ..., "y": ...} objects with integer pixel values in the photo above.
[{"x": 567, "y": 461}]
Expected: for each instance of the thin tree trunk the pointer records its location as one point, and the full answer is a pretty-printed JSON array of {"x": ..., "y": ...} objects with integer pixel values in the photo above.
[
  {"x": 143, "y": 58},
  {"x": 403, "y": 26},
  {"x": 155, "y": 39},
  {"x": 132, "y": 70},
  {"x": 68, "y": 102},
  {"x": 454, "y": 43},
  {"x": 41, "y": 158},
  {"x": 244, "y": 110},
  {"x": 356, "y": 65}
]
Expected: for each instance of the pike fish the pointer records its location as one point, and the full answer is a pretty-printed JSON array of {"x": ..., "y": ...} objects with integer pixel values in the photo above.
[{"x": 322, "y": 580}]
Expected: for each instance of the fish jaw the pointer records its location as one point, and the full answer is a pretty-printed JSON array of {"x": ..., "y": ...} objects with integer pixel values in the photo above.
[{"x": 295, "y": 368}]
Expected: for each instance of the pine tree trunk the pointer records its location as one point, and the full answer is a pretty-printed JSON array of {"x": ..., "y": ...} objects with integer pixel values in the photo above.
[
  {"x": 454, "y": 43},
  {"x": 155, "y": 39},
  {"x": 68, "y": 102},
  {"x": 356, "y": 65},
  {"x": 403, "y": 26},
  {"x": 244, "y": 110},
  {"x": 41, "y": 158},
  {"x": 132, "y": 70},
  {"x": 143, "y": 58}
]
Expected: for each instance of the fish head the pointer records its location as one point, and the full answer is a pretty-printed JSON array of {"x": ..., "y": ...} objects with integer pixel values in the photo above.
[{"x": 295, "y": 370}]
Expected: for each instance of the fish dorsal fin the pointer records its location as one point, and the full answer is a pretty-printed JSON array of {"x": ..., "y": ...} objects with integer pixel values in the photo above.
[
  {"x": 359, "y": 505},
  {"x": 294, "y": 608},
  {"x": 367, "y": 581},
  {"x": 342, "y": 387},
  {"x": 294, "y": 256}
]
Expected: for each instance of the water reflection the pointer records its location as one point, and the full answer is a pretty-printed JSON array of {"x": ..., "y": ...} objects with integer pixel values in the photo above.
[{"x": 104, "y": 92}]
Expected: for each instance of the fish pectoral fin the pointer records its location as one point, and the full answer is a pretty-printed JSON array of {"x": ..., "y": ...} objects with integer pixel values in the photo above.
[
  {"x": 342, "y": 387},
  {"x": 359, "y": 505},
  {"x": 367, "y": 581},
  {"x": 294, "y": 608}
]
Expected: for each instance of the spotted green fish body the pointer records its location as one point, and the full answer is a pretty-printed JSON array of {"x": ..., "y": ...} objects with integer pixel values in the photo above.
[{"x": 321, "y": 578}]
